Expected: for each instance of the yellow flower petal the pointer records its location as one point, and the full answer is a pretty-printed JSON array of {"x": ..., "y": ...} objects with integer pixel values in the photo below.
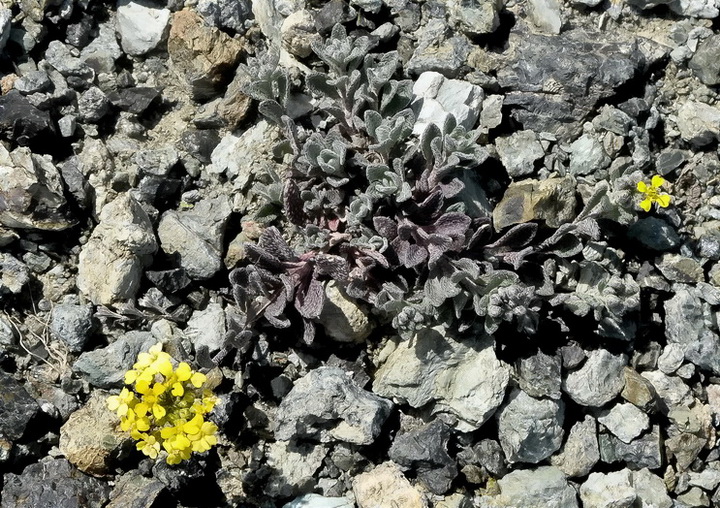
[
  {"x": 130, "y": 377},
  {"x": 657, "y": 181},
  {"x": 645, "y": 204},
  {"x": 642, "y": 187},
  {"x": 178, "y": 390},
  {"x": 113, "y": 402},
  {"x": 663, "y": 200},
  {"x": 183, "y": 371},
  {"x": 198, "y": 379},
  {"x": 158, "y": 411}
]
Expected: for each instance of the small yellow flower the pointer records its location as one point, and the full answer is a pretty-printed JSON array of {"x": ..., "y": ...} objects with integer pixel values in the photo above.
[{"x": 652, "y": 193}]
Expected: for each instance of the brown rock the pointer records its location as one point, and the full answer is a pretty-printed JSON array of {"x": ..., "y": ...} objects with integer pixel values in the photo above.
[
  {"x": 552, "y": 200},
  {"x": 204, "y": 55},
  {"x": 91, "y": 435},
  {"x": 638, "y": 390}
]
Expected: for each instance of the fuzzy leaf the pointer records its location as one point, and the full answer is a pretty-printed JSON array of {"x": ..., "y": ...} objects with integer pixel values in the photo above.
[{"x": 310, "y": 302}]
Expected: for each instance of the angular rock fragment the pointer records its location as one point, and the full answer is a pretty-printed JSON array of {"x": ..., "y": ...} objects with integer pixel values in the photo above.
[
  {"x": 111, "y": 262},
  {"x": 141, "y": 26},
  {"x": 72, "y": 324},
  {"x": 133, "y": 489},
  {"x": 424, "y": 450},
  {"x": 552, "y": 200},
  {"x": 598, "y": 381},
  {"x": 327, "y": 405},
  {"x": 519, "y": 151},
  {"x": 203, "y": 55},
  {"x": 645, "y": 451},
  {"x": 106, "y": 367},
  {"x": 435, "y": 51},
  {"x": 464, "y": 379},
  {"x": 386, "y": 485},
  {"x": 437, "y": 97},
  {"x": 342, "y": 318},
  {"x": 17, "y": 408},
  {"x": 91, "y": 435},
  {"x": 206, "y": 328},
  {"x": 530, "y": 430},
  {"x": 699, "y": 123},
  {"x": 625, "y": 421},
  {"x": 13, "y": 274},
  {"x": 544, "y": 486},
  {"x": 294, "y": 466},
  {"x": 196, "y": 236},
  {"x": 54, "y": 482},
  {"x": 540, "y": 375},
  {"x": 611, "y": 490},
  {"x": 31, "y": 192},
  {"x": 580, "y": 452},
  {"x": 650, "y": 489}
]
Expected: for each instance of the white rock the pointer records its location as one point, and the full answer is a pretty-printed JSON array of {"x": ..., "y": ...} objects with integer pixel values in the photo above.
[
  {"x": 698, "y": 123},
  {"x": 650, "y": 489},
  {"x": 436, "y": 97},
  {"x": 318, "y": 501},
  {"x": 626, "y": 421},
  {"x": 598, "y": 381},
  {"x": 386, "y": 486},
  {"x": 293, "y": 465},
  {"x": 671, "y": 358},
  {"x": 546, "y": 15},
  {"x": 612, "y": 490},
  {"x": 545, "y": 486},
  {"x": 464, "y": 379},
  {"x": 141, "y": 26}
]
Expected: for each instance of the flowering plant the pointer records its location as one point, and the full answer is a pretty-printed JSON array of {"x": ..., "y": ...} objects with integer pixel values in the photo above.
[
  {"x": 652, "y": 193},
  {"x": 165, "y": 407}
]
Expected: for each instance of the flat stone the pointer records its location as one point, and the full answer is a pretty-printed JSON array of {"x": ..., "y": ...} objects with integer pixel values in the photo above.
[
  {"x": 327, "y": 405},
  {"x": 530, "y": 430},
  {"x": 677, "y": 268},
  {"x": 645, "y": 451},
  {"x": 625, "y": 421},
  {"x": 141, "y": 26},
  {"x": 385, "y": 485},
  {"x": 598, "y": 381},
  {"x": 106, "y": 367},
  {"x": 206, "y": 328},
  {"x": 519, "y": 151},
  {"x": 435, "y": 52},
  {"x": 611, "y": 490},
  {"x": 133, "y": 489},
  {"x": 552, "y": 200},
  {"x": 654, "y": 233},
  {"x": 464, "y": 379},
  {"x": 91, "y": 435},
  {"x": 671, "y": 358},
  {"x": 544, "y": 486},
  {"x": 671, "y": 390},
  {"x": 54, "y": 482},
  {"x": 587, "y": 155},
  {"x": 580, "y": 452},
  {"x": 135, "y": 100}
]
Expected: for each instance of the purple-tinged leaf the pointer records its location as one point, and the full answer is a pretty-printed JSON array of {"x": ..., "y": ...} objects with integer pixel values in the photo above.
[
  {"x": 310, "y": 303},
  {"x": 386, "y": 227},
  {"x": 409, "y": 254},
  {"x": 451, "y": 224},
  {"x": 334, "y": 266},
  {"x": 518, "y": 237},
  {"x": 293, "y": 204}
]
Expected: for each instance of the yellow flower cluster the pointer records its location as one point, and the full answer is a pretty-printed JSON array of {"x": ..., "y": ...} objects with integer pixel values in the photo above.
[
  {"x": 652, "y": 193},
  {"x": 165, "y": 408}
]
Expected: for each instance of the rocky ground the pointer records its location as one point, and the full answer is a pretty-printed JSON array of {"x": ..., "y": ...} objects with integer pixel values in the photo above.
[{"x": 401, "y": 238}]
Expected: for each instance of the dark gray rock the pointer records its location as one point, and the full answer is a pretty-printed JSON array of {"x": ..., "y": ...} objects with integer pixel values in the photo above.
[
  {"x": 93, "y": 105},
  {"x": 327, "y": 405},
  {"x": 199, "y": 143},
  {"x": 654, "y": 233},
  {"x": 106, "y": 367},
  {"x": 59, "y": 56},
  {"x": 135, "y": 100},
  {"x": 17, "y": 407},
  {"x": 530, "y": 430},
  {"x": 487, "y": 454},
  {"x": 552, "y": 200},
  {"x": 170, "y": 281},
  {"x": 424, "y": 450},
  {"x": 157, "y": 161},
  {"x": 72, "y": 324},
  {"x": 613, "y": 120},
  {"x": 540, "y": 375},
  {"x": 22, "y": 122},
  {"x": 645, "y": 451},
  {"x": 555, "y": 81},
  {"x": 32, "y": 82},
  {"x": 705, "y": 63},
  {"x": 669, "y": 160},
  {"x": 56, "y": 483},
  {"x": 598, "y": 381}
]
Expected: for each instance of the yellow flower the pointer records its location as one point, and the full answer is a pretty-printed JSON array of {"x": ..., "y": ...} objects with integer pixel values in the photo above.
[
  {"x": 121, "y": 403},
  {"x": 149, "y": 446},
  {"x": 652, "y": 193}
]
